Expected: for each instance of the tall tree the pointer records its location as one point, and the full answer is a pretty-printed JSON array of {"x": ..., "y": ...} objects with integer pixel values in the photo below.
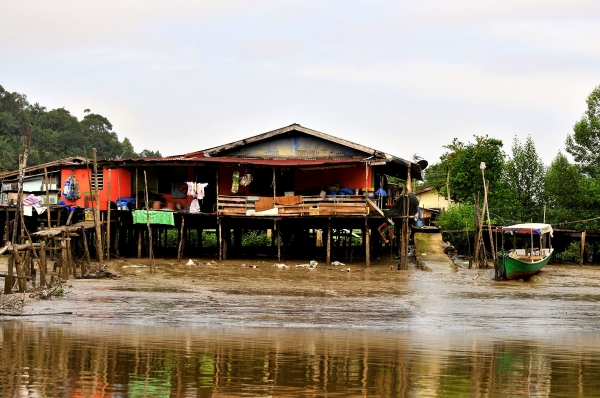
[
  {"x": 525, "y": 175},
  {"x": 584, "y": 143},
  {"x": 465, "y": 172}
]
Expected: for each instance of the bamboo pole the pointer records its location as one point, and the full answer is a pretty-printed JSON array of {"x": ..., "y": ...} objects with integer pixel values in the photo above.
[
  {"x": 328, "y": 253},
  {"x": 136, "y": 189},
  {"x": 97, "y": 213},
  {"x": 367, "y": 242},
  {"x": 118, "y": 224},
  {"x": 279, "y": 240},
  {"x": 274, "y": 185},
  {"x": 47, "y": 197},
  {"x": 108, "y": 219},
  {"x": 582, "y": 252},
  {"x": 86, "y": 252},
  {"x": 181, "y": 238},
  {"x": 43, "y": 264},
  {"x": 150, "y": 252}
]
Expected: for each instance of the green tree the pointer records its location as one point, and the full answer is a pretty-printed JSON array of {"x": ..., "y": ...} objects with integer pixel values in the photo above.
[
  {"x": 525, "y": 175},
  {"x": 56, "y": 134},
  {"x": 465, "y": 172},
  {"x": 584, "y": 143}
]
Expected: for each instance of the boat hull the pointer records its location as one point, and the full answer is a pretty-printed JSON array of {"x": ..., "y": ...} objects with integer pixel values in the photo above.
[{"x": 513, "y": 268}]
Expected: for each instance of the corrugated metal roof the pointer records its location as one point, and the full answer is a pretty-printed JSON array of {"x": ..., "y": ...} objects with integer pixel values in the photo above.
[{"x": 255, "y": 161}]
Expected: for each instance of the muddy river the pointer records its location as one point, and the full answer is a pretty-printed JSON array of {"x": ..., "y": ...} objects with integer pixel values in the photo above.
[{"x": 249, "y": 328}]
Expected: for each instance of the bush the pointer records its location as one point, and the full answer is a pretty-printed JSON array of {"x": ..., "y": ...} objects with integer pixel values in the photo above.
[
  {"x": 256, "y": 238},
  {"x": 457, "y": 218}
]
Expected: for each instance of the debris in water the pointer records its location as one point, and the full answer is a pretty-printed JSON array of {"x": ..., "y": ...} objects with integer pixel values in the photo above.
[
  {"x": 337, "y": 263},
  {"x": 190, "y": 262},
  {"x": 281, "y": 266},
  {"x": 476, "y": 276}
]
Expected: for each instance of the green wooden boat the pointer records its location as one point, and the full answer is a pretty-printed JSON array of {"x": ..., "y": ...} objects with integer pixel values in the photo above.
[{"x": 522, "y": 263}]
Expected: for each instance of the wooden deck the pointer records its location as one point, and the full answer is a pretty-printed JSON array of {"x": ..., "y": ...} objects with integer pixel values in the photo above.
[{"x": 307, "y": 206}]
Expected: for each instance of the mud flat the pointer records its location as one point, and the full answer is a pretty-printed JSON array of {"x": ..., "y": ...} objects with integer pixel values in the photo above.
[{"x": 233, "y": 293}]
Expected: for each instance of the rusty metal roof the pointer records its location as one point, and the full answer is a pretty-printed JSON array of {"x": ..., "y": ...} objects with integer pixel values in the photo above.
[{"x": 255, "y": 161}]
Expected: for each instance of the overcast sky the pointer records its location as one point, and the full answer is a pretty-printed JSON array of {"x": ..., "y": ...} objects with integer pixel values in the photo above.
[{"x": 405, "y": 77}]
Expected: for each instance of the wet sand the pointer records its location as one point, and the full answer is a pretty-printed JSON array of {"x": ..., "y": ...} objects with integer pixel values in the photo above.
[{"x": 560, "y": 297}]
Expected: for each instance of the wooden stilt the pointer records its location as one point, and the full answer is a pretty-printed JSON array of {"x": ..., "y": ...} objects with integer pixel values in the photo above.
[
  {"x": 8, "y": 280},
  {"x": 150, "y": 251},
  {"x": 278, "y": 226},
  {"x": 139, "y": 251},
  {"x": 43, "y": 264},
  {"x": 582, "y": 252},
  {"x": 64, "y": 265},
  {"x": 70, "y": 263},
  {"x": 220, "y": 238},
  {"x": 367, "y": 243},
  {"x": 86, "y": 252},
  {"x": 328, "y": 252},
  {"x": 181, "y": 238},
  {"x": 97, "y": 212},
  {"x": 47, "y": 197},
  {"x": 118, "y": 234},
  {"x": 108, "y": 218}
]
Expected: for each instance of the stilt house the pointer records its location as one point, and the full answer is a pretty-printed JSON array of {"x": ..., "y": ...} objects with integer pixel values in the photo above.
[{"x": 299, "y": 184}]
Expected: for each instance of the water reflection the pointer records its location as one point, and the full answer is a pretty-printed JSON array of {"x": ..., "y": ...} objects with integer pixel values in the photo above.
[{"x": 128, "y": 361}]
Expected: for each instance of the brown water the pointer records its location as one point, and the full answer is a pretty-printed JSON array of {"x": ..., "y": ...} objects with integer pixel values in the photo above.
[{"x": 89, "y": 360}]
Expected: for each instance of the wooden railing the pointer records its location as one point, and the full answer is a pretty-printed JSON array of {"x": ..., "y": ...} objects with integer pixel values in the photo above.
[{"x": 308, "y": 206}]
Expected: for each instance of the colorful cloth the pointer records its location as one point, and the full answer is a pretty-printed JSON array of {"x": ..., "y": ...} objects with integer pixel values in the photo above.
[
  {"x": 71, "y": 188},
  {"x": 156, "y": 217}
]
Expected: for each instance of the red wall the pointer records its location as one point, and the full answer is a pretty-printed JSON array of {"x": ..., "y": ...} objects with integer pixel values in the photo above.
[
  {"x": 117, "y": 176},
  {"x": 352, "y": 177}
]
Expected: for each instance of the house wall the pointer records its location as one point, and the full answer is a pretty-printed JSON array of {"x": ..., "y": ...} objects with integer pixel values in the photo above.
[
  {"x": 120, "y": 184},
  {"x": 432, "y": 199},
  {"x": 304, "y": 180},
  {"x": 294, "y": 145},
  {"x": 350, "y": 177}
]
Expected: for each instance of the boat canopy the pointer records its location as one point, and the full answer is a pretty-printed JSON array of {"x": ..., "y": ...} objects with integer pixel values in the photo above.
[{"x": 527, "y": 228}]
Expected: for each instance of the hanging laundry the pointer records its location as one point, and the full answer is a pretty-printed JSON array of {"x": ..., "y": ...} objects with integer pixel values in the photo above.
[
  {"x": 200, "y": 189},
  {"x": 190, "y": 190},
  {"x": 235, "y": 184},
  {"x": 71, "y": 188}
]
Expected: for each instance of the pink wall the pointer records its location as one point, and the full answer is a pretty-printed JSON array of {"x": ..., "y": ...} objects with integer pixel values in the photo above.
[{"x": 117, "y": 176}]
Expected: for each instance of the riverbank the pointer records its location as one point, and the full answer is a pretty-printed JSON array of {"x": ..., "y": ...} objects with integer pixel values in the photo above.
[{"x": 257, "y": 293}]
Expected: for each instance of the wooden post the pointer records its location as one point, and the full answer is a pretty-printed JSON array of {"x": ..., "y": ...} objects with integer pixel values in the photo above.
[
  {"x": 136, "y": 189},
  {"x": 8, "y": 280},
  {"x": 181, "y": 238},
  {"x": 70, "y": 263},
  {"x": 274, "y": 185},
  {"x": 404, "y": 231},
  {"x": 278, "y": 226},
  {"x": 43, "y": 264},
  {"x": 47, "y": 197},
  {"x": 97, "y": 213},
  {"x": 220, "y": 238},
  {"x": 139, "y": 253},
  {"x": 226, "y": 235},
  {"x": 367, "y": 242},
  {"x": 582, "y": 252},
  {"x": 108, "y": 218},
  {"x": 64, "y": 265},
  {"x": 86, "y": 252},
  {"x": 150, "y": 252},
  {"x": 328, "y": 252}
]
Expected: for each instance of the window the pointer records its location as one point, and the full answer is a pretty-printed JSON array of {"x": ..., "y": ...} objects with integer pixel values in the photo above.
[{"x": 100, "y": 180}]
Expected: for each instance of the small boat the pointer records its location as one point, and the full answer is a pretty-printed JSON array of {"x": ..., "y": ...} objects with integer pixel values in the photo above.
[{"x": 522, "y": 263}]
